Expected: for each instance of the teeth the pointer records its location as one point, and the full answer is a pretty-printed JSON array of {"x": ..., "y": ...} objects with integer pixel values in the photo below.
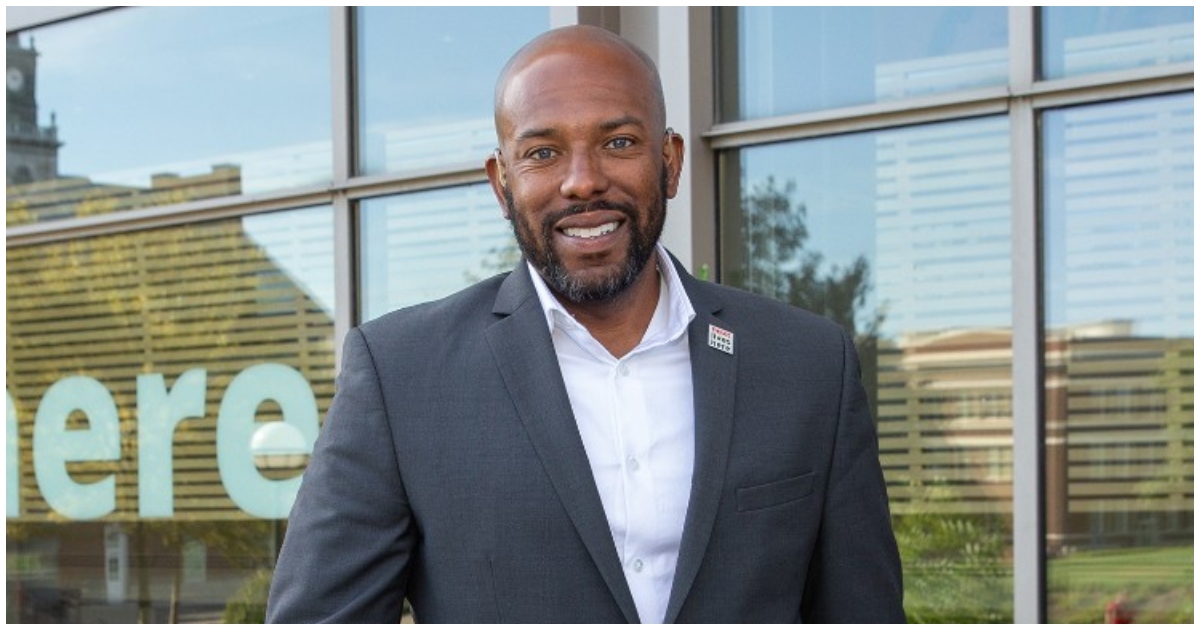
[{"x": 599, "y": 230}]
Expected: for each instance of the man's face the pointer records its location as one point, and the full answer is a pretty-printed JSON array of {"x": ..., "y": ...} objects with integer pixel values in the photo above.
[
  {"x": 586, "y": 169},
  {"x": 537, "y": 243}
]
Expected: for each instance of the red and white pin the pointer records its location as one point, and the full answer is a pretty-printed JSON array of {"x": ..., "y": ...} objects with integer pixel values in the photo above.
[{"x": 720, "y": 339}]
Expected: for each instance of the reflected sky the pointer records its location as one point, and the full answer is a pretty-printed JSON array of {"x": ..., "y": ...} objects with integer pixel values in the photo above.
[
  {"x": 927, "y": 207},
  {"x": 1079, "y": 40},
  {"x": 426, "y": 79},
  {"x": 1119, "y": 215},
  {"x": 423, "y": 246},
  {"x": 795, "y": 59},
  {"x": 300, "y": 243},
  {"x": 179, "y": 89}
]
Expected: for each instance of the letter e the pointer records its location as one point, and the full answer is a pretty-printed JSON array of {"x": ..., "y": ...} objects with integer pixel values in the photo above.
[
  {"x": 257, "y": 495},
  {"x": 54, "y": 446}
]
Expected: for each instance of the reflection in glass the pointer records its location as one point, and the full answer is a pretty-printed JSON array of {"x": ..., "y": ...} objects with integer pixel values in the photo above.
[
  {"x": 422, "y": 246},
  {"x": 784, "y": 60},
  {"x": 1082, "y": 40},
  {"x": 904, "y": 238},
  {"x": 150, "y": 106},
  {"x": 425, "y": 81},
  {"x": 201, "y": 305},
  {"x": 1119, "y": 250}
]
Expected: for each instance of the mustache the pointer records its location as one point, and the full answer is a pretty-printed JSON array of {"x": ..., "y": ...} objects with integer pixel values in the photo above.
[{"x": 591, "y": 206}]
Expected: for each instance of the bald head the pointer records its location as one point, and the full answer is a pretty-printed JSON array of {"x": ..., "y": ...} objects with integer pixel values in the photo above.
[{"x": 591, "y": 44}]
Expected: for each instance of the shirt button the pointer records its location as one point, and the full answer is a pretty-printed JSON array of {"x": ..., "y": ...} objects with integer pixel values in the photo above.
[
  {"x": 633, "y": 464},
  {"x": 624, "y": 370},
  {"x": 637, "y": 565}
]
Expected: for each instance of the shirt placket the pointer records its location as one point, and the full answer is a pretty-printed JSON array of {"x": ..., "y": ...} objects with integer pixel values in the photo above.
[{"x": 633, "y": 440}]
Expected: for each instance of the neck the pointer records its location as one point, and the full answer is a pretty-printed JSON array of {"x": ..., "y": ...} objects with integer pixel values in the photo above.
[{"x": 619, "y": 324}]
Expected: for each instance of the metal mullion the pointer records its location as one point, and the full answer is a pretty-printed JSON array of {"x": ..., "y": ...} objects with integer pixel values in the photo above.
[
  {"x": 564, "y": 16},
  {"x": 226, "y": 207},
  {"x": 342, "y": 43},
  {"x": 955, "y": 106},
  {"x": 870, "y": 117},
  {"x": 1027, "y": 372},
  {"x": 1029, "y": 585},
  {"x": 683, "y": 42},
  {"x": 21, "y": 18},
  {"x": 345, "y": 310},
  {"x": 417, "y": 180},
  {"x": 341, "y": 36},
  {"x": 162, "y": 216},
  {"x": 1113, "y": 86}
]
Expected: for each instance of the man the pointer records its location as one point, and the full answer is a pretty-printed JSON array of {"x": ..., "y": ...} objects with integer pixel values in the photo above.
[{"x": 597, "y": 436}]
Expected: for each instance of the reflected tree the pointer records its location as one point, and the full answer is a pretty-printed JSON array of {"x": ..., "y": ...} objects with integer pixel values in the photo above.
[{"x": 778, "y": 263}]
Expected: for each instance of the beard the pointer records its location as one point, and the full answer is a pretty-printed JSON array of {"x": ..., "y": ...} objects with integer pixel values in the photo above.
[{"x": 538, "y": 247}]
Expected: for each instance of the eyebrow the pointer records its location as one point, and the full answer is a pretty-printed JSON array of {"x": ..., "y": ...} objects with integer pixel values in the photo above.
[
  {"x": 622, "y": 122},
  {"x": 608, "y": 125}
]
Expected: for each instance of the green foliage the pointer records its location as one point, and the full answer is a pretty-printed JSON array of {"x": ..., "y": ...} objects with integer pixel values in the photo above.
[
  {"x": 249, "y": 603},
  {"x": 955, "y": 568}
]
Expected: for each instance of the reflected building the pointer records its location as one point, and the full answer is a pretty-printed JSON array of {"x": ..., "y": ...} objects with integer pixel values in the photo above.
[
  {"x": 945, "y": 421},
  {"x": 32, "y": 149},
  {"x": 1119, "y": 403},
  {"x": 399, "y": 147},
  {"x": 944, "y": 278},
  {"x": 203, "y": 295},
  {"x": 37, "y": 192},
  {"x": 1119, "y": 438},
  {"x": 1120, "y": 338},
  {"x": 219, "y": 295}
]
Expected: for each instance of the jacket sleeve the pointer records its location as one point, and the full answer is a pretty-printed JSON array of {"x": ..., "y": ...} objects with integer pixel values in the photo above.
[
  {"x": 350, "y": 539},
  {"x": 855, "y": 574}
]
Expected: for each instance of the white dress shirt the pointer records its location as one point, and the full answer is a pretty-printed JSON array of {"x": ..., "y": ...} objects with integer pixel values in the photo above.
[{"x": 636, "y": 418}]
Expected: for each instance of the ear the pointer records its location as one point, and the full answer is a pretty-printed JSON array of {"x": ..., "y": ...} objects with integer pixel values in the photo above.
[
  {"x": 673, "y": 160},
  {"x": 498, "y": 179}
]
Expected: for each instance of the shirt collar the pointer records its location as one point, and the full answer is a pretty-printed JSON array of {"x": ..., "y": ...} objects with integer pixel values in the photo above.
[{"x": 674, "y": 320}]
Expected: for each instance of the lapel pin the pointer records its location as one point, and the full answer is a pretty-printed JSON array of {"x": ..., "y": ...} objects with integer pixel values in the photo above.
[{"x": 720, "y": 339}]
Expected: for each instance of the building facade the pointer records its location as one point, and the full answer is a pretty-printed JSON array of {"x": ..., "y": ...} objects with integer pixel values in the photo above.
[{"x": 997, "y": 202}]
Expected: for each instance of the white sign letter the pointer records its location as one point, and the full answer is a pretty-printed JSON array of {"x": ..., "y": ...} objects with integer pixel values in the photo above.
[
  {"x": 158, "y": 415},
  {"x": 54, "y": 446},
  {"x": 257, "y": 495}
]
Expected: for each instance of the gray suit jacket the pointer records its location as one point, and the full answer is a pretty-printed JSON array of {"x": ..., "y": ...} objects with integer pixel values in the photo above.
[{"x": 450, "y": 471}]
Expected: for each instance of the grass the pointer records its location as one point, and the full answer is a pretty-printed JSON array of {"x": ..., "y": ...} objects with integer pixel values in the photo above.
[{"x": 1158, "y": 583}]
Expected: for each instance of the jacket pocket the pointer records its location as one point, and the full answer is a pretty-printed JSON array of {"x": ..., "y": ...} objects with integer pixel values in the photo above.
[{"x": 775, "y": 493}]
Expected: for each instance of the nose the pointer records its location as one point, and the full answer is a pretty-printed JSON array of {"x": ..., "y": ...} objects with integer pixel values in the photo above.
[{"x": 585, "y": 177}]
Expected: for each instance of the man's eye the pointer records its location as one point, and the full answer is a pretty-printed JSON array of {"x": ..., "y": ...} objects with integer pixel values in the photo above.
[
  {"x": 541, "y": 154},
  {"x": 620, "y": 143}
]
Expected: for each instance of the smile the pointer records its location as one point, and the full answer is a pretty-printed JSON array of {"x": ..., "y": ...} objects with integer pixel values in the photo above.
[{"x": 592, "y": 232}]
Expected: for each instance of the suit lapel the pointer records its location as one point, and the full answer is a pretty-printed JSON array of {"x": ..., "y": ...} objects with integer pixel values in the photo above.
[
  {"x": 525, "y": 356},
  {"x": 714, "y": 376}
]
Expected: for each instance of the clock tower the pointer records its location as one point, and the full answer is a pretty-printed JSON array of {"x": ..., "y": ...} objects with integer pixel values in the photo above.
[{"x": 32, "y": 153}]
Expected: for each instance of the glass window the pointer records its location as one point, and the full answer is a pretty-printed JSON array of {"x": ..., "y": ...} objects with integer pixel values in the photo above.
[
  {"x": 426, "y": 76},
  {"x": 1119, "y": 219},
  {"x": 164, "y": 389},
  {"x": 150, "y": 106},
  {"x": 422, "y": 246},
  {"x": 785, "y": 60},
  {"x": 1082, "y": 40},
  {"x": 904, "y": 238}
]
